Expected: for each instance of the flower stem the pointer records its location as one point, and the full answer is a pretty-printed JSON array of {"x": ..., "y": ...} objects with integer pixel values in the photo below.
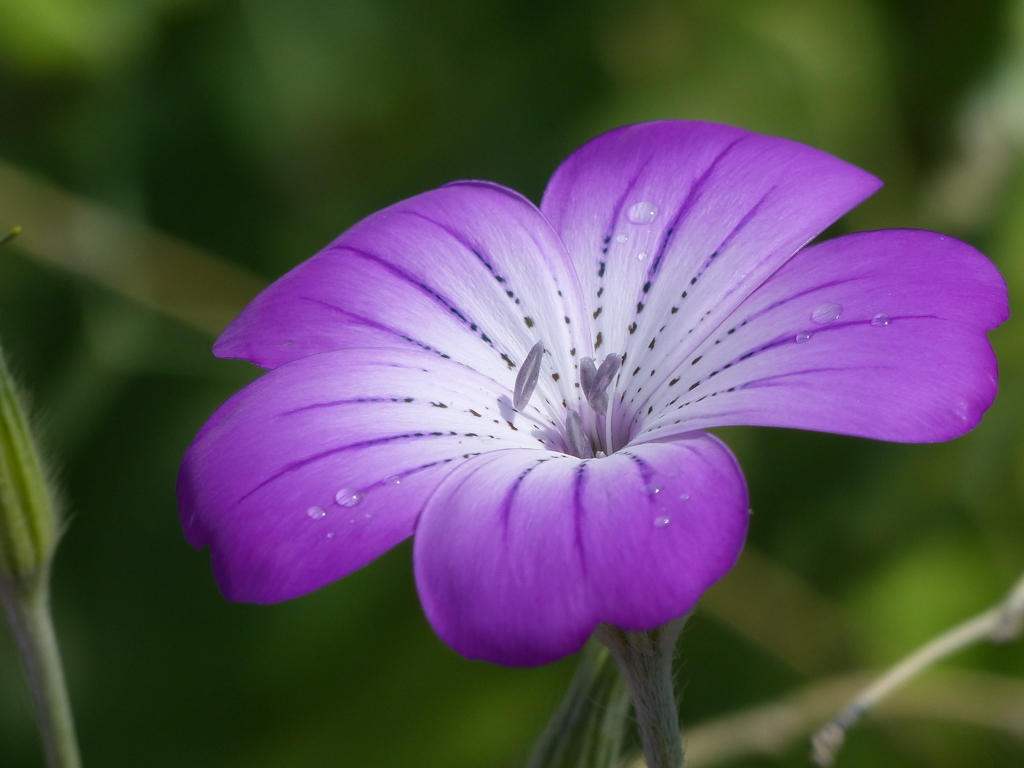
[
  {"x": 28, "y": 612},
  {"x": 590, "y": 725},
  {"x": 645, "y": 659}
]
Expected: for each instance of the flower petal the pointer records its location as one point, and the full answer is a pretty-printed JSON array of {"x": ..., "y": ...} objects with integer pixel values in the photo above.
[
  {"x": 471, "y": 271},
  {"x": 321, "y": 465},
  {"x": 877, "y": 334},
  {"x": 672, "y": 224},
  {"x": 520, "y": 554}
]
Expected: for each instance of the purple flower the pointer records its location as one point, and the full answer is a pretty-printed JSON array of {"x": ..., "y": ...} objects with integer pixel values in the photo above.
[{"x": 666, "y": 282}]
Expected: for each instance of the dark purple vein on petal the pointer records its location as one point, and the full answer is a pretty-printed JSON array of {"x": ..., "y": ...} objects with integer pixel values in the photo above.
[
  {"x": 506, "y": 504},
  {"x": 805, "y": 292},
  {"x": 429, "y": 291},
  {"x": 717, "y": 252},
  {"x": 348, "y": 401},
  {"x": 687, "y": 205},
  {"x": 678, "y": 374},
  {"x": 778, "y": 341},
  {"x": 776, "y": 379},
  {"x": 370, "y": 323},
  {"x": 643, "y": 468},
  {"x": 295, "y": 465},
  {"x": 654, "y": 271},
  {"x": 405, "y": 473},
  {"x": 461, "y": 239},
  {"x": 481, "y": 256},
  {"x": 745, "y": 221},
  {"x": 609, "y": 230},
  {"x": 579, "y": 481}
]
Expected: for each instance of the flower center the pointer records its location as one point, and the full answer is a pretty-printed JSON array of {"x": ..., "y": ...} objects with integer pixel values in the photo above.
[{"x": 586, "y": 435}]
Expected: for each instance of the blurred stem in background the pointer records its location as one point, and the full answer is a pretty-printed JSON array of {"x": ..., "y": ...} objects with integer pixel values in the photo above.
[
  {"x": 1000, "y": 623},
  {"x": 29, "y": 530},
  {"x": 589, "y": 728}
]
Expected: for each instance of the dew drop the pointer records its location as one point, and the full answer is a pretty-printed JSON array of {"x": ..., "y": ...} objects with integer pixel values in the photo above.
[
  {"x": 317, "y": 513},
  {"x": 346, "y": 497},
  {"x": 392, "y": 480},
  {"x": 642, "y": 213},
  {"x": 684, "y": 496},
  {"x": 288, "y": 343},
  {"x": 367, "y": 515},
  {"x": 330, "y": 535},
  {"x": 641, "y": 256},
  {"x": 661, "y": 522},
  {"x": 622, "y": 238},
  {"x": 803, "y": 336},
  {"x": 880, "y": 320},
  {"x": 827, "y": 313},
  {"x": 652, "y": 488}
]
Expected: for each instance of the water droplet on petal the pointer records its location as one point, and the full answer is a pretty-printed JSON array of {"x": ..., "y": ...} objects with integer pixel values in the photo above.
[
  {"x": 641, "y": 256},
  {"x": 330, "y": 535},
  {"x": 392, "y": 480},
  {"x": 803, "y": 336},
  {"x": 880, "y": 320},
  {"x": 642, "y": 213},
  {"x": 367, "y": 515},
  {"x": 346, "y": 497},
  {"x": 652, "y": 488},
  {"x": 661, "y": 522},
  {"x": 684, "y": 496},
  {"x": 827, "y": 313},
  {"x": 317, "y": 513},
  {"x": 621, "y": 238}
]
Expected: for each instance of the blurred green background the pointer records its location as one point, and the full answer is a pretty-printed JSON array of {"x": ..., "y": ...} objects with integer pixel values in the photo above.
[{"x": 166, "y": 157}]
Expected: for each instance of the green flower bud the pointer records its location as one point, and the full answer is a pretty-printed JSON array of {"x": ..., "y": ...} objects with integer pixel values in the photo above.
[{"x": 29, "y": 526}]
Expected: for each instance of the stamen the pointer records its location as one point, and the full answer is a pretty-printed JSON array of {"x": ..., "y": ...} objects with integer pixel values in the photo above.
[
  {"x": 607, "y": 371},
  {"x": 595, "y": 381},
  {"x": 526, "y": 379},
  {"x": 588, "y": 375},
  {"x": 579, "y": 445}
]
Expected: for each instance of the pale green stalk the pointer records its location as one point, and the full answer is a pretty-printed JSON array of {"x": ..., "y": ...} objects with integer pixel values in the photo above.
[
  {"x": 645, "y": 660},
  {"x": 28, "y": 612},
  {"x": 590, "y": 726},
  {"x": 29, "y": 530}
]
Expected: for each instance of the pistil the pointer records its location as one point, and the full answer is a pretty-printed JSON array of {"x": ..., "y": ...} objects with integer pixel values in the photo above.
[{"x": 576, "y": 437}]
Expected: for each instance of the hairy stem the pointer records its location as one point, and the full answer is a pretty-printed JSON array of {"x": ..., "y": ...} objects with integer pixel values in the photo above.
[
  {"x": 590, "y": 725},
  {"x": 645, "y": 659},
  {"x": 28, "y": 612}
]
